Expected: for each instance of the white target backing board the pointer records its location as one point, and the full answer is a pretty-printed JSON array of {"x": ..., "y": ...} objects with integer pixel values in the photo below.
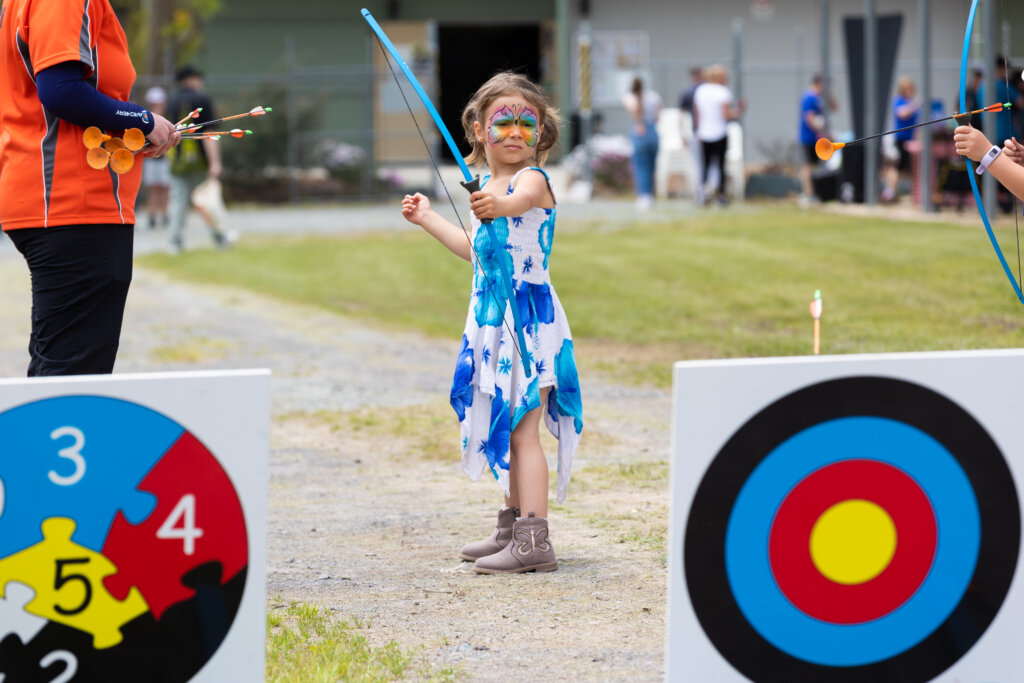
[
  {"x": 133, "y": 527},
  {"x": 847, "y": 518}
]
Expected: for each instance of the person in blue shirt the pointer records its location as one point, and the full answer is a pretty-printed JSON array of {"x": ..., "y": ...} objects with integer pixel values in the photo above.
[
  {"x": 906, "y": 111},
  {"x": 812, "y": 127}
]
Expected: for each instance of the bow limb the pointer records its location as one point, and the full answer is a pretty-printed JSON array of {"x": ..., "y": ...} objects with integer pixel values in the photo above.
[
  {"x": 970, "y": 166},
  {"x": 471, "y": 183}
]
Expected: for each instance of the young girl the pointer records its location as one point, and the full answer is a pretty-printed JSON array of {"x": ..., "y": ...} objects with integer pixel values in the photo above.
[
  {"x": 511, "y": 126},
  {"x": 1005, "y": 166}
]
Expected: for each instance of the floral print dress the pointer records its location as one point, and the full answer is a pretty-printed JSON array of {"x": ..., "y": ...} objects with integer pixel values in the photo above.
[{"x": 490, "y": 391}]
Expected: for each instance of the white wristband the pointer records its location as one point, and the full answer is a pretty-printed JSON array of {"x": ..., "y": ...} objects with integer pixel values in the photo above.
[{"x": 988, "y": 159}]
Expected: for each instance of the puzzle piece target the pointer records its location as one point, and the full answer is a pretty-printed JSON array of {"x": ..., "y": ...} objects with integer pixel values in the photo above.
[
  {"x": 14, "y": 619},
  {"x": 119, "y": 533}
]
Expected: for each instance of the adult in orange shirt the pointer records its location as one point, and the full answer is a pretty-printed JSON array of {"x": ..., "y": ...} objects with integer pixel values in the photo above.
[{"x": 64, "y": 65}]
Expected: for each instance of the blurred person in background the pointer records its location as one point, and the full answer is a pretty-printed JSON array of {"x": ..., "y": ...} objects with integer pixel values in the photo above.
[
  {"x": 193, "y": 161},
  {"x": 713, "y": 109},
  {"x": 812, "y": 127},
  {"x": 156, "y": 172},
  {"x": 906, "y": 111},
  {"x": 643, "y": 106}
]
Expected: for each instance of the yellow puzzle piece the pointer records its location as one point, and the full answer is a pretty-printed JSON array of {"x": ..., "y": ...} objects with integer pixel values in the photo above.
[{"x": 68, "y": 581}]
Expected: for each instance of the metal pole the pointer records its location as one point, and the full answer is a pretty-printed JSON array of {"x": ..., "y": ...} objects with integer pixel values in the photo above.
[
  {"x": 871, "y": 122},
  {"x": 293, "y": 120},
  {"x": 924, "y": 19},
  {"x": 737, "y": 69},
  {"x": 586, "y": 113},
  {"x": 799, "y": 41},
  {"x": 826, "y": 88},
  {"x": 564, "y": 50},
  {"x": 988, "y": 182}
]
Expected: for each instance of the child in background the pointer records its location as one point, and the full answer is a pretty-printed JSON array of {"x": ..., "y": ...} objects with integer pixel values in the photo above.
[
  {"x": 156, "y": 171},
  {"x": 1005, "y": 164},
  {"x": 511, "y": 126}
]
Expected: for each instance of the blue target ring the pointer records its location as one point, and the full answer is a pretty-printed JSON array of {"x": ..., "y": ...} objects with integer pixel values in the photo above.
[
  {"x": 939, "y": 448},
  {"x": 911, "y": 450}
]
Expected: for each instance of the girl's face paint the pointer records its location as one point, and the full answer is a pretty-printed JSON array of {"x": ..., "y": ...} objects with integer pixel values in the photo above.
[{"x": 508, "y": 120}]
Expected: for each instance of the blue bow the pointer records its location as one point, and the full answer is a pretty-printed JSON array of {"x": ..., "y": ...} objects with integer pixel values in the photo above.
[{"x": 471, "y": 183}]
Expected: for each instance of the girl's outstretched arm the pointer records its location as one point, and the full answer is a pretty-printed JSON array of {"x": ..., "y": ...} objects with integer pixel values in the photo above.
[
  {"x": 531, "y": 191},
  {"x": 416, "y": 209},
  {"x": 972, "y": 143}
]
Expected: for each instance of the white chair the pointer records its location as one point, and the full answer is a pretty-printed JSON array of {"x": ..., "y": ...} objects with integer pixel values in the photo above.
[
  {"x": 674, "y": 158},
  {"x": 735, "y": 173}
]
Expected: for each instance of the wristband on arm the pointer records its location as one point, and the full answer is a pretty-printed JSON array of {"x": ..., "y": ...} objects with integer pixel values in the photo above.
[{"x": 989, "y": 157}]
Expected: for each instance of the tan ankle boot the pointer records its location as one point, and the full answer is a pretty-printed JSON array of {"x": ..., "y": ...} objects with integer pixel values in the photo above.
[
  {"x": 530, "y": 550},
  {"x": 498, "y": 539}
]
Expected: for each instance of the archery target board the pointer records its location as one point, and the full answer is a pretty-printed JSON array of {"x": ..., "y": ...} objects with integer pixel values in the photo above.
[
  {"x": 846, "y": 519},
  {"x": 133, "y": 527}
]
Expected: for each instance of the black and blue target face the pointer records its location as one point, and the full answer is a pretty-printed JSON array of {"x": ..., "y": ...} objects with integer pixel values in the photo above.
[{"x": 863, "y": 529}]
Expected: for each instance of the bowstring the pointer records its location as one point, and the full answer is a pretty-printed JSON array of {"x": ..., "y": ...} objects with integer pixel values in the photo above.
[
  {"x": 437, "y": 170},
  {"x": 1009, "y": 112}
]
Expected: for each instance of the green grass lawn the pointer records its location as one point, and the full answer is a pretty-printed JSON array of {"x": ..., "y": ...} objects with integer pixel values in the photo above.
[{"x": 642, "y": 295}]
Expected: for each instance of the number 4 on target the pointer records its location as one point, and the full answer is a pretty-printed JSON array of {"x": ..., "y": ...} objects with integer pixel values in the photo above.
[{"x": 185, "y": 512}]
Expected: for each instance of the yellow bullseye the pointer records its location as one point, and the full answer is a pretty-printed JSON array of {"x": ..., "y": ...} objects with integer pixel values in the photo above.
[{"x": 853, "y": 541}]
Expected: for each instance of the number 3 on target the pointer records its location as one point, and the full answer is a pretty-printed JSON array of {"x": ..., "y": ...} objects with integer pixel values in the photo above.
[
  {"x": 185, "y": 511},
  {"x": 72, "y": 453}
]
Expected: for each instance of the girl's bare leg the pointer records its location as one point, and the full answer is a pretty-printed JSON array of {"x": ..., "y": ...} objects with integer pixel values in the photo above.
[{"x": 528, "y": 469}]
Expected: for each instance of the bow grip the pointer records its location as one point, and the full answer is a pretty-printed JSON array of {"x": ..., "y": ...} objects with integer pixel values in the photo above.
[{"x": 474, "y": 186}]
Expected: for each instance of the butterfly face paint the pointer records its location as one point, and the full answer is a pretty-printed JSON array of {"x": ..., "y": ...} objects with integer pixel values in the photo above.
[{"x": 509, "y": 119}]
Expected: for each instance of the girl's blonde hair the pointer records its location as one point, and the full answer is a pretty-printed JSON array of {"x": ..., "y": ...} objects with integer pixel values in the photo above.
[{"x": 506, "y": 83}]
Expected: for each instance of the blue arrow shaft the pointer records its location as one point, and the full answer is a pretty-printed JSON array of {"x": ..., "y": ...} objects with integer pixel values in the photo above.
[
  {"x": 970, "y": 166},
  {"x": 498, "y": 248}
]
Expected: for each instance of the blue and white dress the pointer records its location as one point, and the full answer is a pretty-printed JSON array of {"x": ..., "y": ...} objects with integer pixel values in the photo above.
[{"x": 490, "y": 392}]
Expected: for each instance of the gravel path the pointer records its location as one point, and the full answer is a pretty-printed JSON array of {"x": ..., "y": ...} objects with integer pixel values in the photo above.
[{"x": 363, "y": 525}]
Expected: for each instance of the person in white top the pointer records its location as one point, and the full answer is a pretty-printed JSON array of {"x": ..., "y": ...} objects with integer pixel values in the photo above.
[
  {"x": 643, "y": 106},
  {"x": 713, "y": 108}
]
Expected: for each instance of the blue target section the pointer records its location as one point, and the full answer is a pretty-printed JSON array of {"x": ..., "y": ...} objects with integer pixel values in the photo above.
[
  {"x": 55, "y": 462},
  {"x": 909, "y": 449}
]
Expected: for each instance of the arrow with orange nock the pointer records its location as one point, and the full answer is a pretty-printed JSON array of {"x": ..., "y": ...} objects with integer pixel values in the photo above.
[
  {"x": 255, "y": 111},
  {"x": 215, "y": 135},
  {"x": 825, "y": 148}
]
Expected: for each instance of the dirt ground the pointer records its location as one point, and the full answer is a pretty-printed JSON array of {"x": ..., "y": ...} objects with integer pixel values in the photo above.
[{"x": 368, "y": 511}]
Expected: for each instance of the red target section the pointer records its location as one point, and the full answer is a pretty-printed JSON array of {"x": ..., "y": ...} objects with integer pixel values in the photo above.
[{"x": 852, "y": 541}]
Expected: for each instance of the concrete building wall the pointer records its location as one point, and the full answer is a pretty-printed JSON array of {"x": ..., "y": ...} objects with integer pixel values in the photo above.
[
  {"x": 780, "y": 52},
  {"x": 331, "y": 51}
]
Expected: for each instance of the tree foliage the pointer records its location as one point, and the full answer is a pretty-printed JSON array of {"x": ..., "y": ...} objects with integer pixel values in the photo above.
[{"x": 164, "y": 34}]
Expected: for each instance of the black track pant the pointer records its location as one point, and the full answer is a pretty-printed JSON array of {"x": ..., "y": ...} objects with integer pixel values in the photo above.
[
  {"x": 714, "y": 153},
  {"x": 80, "y": 277}
]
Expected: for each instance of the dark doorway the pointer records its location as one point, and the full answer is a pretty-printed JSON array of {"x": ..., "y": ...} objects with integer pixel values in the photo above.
[{"x": 472, "y": 54}]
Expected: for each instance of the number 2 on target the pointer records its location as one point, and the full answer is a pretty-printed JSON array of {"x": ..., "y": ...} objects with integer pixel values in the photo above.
[{"x": 184, "y": 512}]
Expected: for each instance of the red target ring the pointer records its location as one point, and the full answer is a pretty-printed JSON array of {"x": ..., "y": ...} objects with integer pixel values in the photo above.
[{"x": 801, "y": 579}]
